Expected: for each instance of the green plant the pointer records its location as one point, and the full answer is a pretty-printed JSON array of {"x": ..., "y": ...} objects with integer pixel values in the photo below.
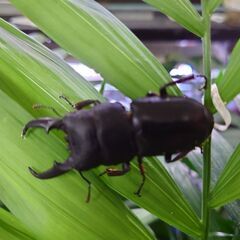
[{"x": 30, "y": 73}]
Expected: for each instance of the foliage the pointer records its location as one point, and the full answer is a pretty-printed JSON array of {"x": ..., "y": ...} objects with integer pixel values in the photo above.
[{"x": 30, "y": 73}]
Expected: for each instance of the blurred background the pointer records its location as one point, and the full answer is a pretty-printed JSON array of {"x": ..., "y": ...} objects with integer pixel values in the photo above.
[
  {"x": 179, "y": 50},
  {"x": 168, "y": 41}
]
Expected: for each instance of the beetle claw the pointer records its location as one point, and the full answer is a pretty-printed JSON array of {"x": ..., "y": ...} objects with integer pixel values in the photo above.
[
  {"x": 56, "y": 170},
  {"x": 46, "y": 123},
  {"x": 33, "y": 172}
]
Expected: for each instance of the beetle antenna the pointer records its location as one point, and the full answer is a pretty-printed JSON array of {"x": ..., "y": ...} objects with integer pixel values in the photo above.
[
  {"x": 67, "y": 100},
  {"x": 39, "y": 106},
  {"x": 163, "y": 92},
  {"x": 89, "y": 187}
]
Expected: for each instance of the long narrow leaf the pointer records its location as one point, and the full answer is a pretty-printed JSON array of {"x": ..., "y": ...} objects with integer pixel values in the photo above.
[
  {"x": 97, "y": 38},
  {"x": 30, "y": 74},
  {"x": 11, "y": 228},
  {"x": 55, "y": 209},
  {"x": 227, "y": 186},
  {"x": 183, "y": 12},
  {"x": 221, "y": 150},
  {"x": 229, "y": 84},
  {"x": 187, "y": 182},
  {"x": 213, "y": 4},
  {"x": 168, "y": 194},
  {"x": 26, "y": 66},
  {"x": 160, "y": 196}
]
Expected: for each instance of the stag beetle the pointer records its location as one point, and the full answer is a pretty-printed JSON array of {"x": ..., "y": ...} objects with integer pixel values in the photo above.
[{"x": 107, "y": 134}]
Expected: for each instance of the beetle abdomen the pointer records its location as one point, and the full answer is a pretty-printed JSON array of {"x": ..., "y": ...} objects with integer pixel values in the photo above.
[
  {"x": 169, "y": 125},
  {"x": 114, "y": 132}
]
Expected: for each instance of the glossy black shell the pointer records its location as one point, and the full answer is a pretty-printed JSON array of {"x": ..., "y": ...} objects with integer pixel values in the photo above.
[
  {"x": 169, "y": 125},
  {"x": 107, "y": 134},
  {"x": 101, "y": 135}
]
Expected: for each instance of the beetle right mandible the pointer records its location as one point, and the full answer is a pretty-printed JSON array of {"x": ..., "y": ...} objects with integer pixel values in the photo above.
[{"x": 107, "y": 134}]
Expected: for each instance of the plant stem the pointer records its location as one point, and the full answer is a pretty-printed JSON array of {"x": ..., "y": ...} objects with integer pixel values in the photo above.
[
  {"x": 207, "y": 61},
  {"x": 206, "y": 187},
  {"x": 206, "y": 41}
]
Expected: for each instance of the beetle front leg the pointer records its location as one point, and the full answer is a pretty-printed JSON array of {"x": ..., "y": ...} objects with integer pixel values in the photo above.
[
  {"x": 56, "y": 170},
  {"x": 46, "y": 123},
  {"x": 82, "y": 104},
  {"x": 142, "y": 172}
]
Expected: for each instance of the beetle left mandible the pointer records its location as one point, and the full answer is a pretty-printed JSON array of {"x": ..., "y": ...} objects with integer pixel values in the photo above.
[{"x": 107, "y": 134}]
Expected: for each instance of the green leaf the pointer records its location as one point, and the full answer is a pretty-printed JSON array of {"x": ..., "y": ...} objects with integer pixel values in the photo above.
[
  {"x": 160, "y": 196},
  {"x": 162, "y": 189},
  {"x": 213, "y": 4},
  {"x": 55, "y": 209},
  {"x": 233, "y": 132},
  {"x": 233, "y": 211},
  {"x": 11, "y": 228},
  {"x": 19, "y": 78},
  {"x": 221, "y": 150},
  {"x": 227, "y": 186},
  {"x": 31, "y": 73},
  {"x": 93, "y": 35},
  {"x": 186, "y": 181},
  {"x": 229, "y": 85},
  {"x": 219, "y": 223},
  {"x": 27, "y": 66},
  {"x": 183, "y": 12}
]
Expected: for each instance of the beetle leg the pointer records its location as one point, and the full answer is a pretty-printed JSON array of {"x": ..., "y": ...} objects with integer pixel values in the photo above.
[
  {"x": 116, "y": 172},
  {"x": 168, "y": 158},
  {"x": 89, "y": 186},
  {"x": 46, "y": 123},
  {"x": 56, "y": 170},
  {"x": 163, "y": 92},
  {"x": 142, "y": 172},
  {"x": 80, "y": 105}
]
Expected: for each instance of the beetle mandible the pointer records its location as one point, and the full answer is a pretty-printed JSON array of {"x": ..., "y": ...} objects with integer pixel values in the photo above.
[{"x": 107, "y": 134}]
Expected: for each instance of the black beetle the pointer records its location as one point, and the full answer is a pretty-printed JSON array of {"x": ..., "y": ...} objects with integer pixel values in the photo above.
[{"x": 107, "y": 134}]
